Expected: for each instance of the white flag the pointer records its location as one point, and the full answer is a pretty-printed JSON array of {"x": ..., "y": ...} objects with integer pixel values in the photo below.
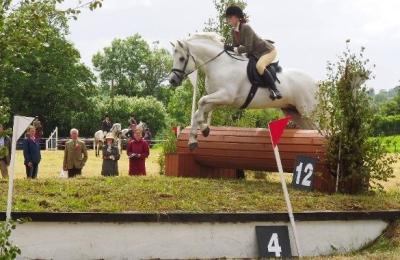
[{"x": 20, "y": 125}]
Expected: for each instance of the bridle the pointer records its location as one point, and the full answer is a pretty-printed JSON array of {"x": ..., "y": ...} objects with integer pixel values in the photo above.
[{"x": 182, "y": 74}]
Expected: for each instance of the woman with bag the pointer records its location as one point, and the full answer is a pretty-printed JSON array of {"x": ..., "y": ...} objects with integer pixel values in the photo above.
[{"x": 110, "y": 157}]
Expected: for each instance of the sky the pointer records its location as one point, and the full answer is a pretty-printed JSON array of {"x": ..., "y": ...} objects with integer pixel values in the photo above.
[{"x": 308, "y": 33}]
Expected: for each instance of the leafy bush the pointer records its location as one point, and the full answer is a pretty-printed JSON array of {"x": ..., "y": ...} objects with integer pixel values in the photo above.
[
  {"x": 345, "y": 116},
  {"x": 387, "y": 125},
  {"x": 7, "y": 250},
  {"x": 146, "y": 109},
  {"x": 167, "y": 147}
]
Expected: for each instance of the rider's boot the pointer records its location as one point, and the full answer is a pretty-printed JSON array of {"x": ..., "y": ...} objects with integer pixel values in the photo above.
[{"x": 270, "y": 83}]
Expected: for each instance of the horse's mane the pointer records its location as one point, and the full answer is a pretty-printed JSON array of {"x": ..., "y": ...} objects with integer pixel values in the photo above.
[{"x": 212, "y": 36}]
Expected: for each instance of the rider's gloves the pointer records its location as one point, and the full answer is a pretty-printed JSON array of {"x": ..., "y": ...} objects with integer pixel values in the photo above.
[{"x": 228, "y": 47}]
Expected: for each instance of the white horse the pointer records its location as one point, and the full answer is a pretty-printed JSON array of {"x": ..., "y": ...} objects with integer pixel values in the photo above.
[
  {"x": 99, "y": 138},
  {"x": 227, "y": 83}
]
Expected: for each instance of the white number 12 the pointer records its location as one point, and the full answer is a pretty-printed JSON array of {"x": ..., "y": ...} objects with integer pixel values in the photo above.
[{"x": 309, "y": 170}]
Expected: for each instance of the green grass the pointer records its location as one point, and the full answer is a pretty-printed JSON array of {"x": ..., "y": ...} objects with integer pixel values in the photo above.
[
  {"x": 392, "y": 143},
  {"x": 166, "y": 194},
  {"x": 51, "y": 164},
  {"x": 160, "y": 194}
]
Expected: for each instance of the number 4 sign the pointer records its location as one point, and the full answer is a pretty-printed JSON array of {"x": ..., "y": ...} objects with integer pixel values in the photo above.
[
  {"x": 303, "y": 175},
  {"x": 273, "y": 241}
]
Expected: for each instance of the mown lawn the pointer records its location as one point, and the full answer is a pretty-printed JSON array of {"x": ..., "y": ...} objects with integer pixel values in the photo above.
[{"x": 51, "y": 164}]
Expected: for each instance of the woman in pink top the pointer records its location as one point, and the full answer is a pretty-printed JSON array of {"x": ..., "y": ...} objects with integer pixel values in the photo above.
[{"x": 138, "y": 151}]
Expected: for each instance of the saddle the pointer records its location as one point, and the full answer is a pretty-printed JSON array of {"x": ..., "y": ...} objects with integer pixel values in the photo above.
[{"x": 256, "y": 80}]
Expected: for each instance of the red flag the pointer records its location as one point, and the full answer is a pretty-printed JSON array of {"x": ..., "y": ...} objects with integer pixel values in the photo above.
[{"x": 276, "y": 129}]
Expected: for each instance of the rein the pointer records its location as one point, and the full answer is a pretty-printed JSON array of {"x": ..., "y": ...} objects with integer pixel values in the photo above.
[{"x": 182, "y": 74}]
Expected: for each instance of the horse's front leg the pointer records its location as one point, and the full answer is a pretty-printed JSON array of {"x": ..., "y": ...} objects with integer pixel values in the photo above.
[{"x": 206, "y": 104}]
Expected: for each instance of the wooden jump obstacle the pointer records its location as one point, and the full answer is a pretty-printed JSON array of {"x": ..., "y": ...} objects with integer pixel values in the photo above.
[{"x": 227, "y": 149}]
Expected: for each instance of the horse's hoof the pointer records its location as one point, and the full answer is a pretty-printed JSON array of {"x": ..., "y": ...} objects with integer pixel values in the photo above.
[
  {"x": 193, "y": 146},
  {"x": 206, "y": 132}
]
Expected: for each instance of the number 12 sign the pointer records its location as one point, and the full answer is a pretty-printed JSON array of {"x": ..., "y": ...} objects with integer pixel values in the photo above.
[{"x": 303, "y": 175}]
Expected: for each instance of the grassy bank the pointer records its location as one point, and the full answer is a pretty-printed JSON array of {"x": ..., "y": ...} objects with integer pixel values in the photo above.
[{"x": 163, "y": 194}]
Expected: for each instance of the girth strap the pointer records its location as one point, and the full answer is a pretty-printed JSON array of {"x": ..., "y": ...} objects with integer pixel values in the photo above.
[{"x": 250, "y": 96}]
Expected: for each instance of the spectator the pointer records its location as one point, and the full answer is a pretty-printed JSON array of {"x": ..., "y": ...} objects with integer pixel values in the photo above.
[
  {"x": 5, "y": 152},
  {"x": 106, "y": 125},
  {"x": 138, "y": 151},
  {"x": 132, "y": 120},
  {"x": 38, "y": 128},
  {"x": 110, "y": 157},
  {"x": 147, "y": 137},
  {"x": 130, "y": 133},
  {"x": 75, "y": 155},
  {"x": 32, "y": 155}
]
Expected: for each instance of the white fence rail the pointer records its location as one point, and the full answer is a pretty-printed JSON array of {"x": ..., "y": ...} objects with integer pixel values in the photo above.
[{"x": 52, "y": 141}]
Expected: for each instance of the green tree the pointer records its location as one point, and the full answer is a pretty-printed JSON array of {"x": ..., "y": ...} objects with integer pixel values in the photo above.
[
  {"x": 130, "y": 67},
  {"x": 40, "y": 71},
  {"x": 4, "y": 110},
  {"x": 180, "y": 104},
  {"x": 345, "y": 116},
  {"x": 391, "y": 107},
  {"x": 120, "y": 65},
  {"x": 156, "y": 69}
]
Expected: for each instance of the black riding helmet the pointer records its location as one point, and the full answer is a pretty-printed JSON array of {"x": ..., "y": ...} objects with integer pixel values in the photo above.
[{"x": 234, "y": 10}]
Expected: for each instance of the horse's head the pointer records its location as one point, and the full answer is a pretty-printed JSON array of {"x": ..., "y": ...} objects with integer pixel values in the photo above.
[
  {"x": 205, "y": 47},
  {"x": 183, "y": 63},
  {"x": 116, "y": 128}
]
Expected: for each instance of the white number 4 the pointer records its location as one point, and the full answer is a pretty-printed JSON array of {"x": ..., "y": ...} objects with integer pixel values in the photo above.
[
  {"x": 308, "y": 170},
  {"x": 273, "y": 245}
]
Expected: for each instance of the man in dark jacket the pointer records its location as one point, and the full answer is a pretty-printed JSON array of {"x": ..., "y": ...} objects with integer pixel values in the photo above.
[
  {"x": 31, "y": 153},
  {"x": 5, "y": 152}
]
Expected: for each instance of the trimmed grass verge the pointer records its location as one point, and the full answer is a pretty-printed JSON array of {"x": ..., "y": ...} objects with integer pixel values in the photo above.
[{"x": 166, "y": 194}]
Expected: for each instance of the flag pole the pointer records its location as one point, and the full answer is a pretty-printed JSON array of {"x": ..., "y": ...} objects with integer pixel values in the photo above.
[
  {"x": 19, "y": 126},
  {"x": 287, "y": 199},
  {"x": 12, "y": 169},
  {"x": 275, "y": 133}
]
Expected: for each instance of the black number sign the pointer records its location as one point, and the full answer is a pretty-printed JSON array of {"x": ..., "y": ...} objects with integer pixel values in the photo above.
[
  {"x": 303, "y": 175},
  {"x": 273, "y": 241}
]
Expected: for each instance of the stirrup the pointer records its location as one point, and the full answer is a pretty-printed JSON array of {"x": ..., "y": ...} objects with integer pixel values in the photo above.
[
  {"x": 272, "y": 95},
  {"x": 278, "y": 94}
]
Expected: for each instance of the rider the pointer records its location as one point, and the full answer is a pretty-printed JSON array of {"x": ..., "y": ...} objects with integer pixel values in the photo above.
[
  {"x": 245, "y": 40},
  {"x": 106, "y": 125}
]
